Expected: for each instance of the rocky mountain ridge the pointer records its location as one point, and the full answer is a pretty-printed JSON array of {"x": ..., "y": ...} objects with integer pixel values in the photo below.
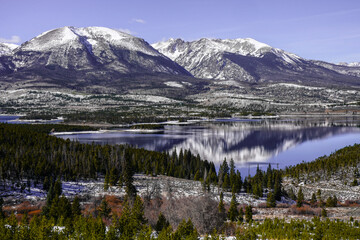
[
  {"x": 247, "y": 60},
  {"x": 71, "y": 57}
]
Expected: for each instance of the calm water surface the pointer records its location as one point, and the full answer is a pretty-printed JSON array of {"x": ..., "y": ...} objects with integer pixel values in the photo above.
[{"x": 248, "y": 142}]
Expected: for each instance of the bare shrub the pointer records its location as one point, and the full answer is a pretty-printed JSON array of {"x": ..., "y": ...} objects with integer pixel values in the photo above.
[
  {"x": 304, "y": 210},
  {"x": 282, "y": 205}
]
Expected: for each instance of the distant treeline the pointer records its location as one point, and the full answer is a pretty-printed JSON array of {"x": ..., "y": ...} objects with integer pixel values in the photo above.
[
  {"x": 347, "y": 157},
  {"x": 26, "y": 151}
]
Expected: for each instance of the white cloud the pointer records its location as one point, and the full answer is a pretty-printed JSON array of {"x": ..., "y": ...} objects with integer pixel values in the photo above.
[
  {"x": 128, "y": 31},
  {"x": 13, "y": 39},
  {"x": 139, "y": 20}
]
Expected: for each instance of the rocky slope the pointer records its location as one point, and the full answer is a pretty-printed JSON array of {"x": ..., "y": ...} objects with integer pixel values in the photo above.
[
  {"x": 73, "y": 57},
  {"x": 247, "y": 60}
]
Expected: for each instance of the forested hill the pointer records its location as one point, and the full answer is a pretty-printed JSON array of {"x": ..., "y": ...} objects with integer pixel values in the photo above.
[
  {"x": 345, "y": 158},
  {"x": 27, "y": 152}
]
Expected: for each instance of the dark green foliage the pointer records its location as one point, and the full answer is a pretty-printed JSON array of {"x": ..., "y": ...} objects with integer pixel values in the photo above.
[
  {"x": 327, "y": 165},
  {"x": 186, "y": 230},
  {"x": 354, "y": 183},
  {"x": 27, "y": 151},
  {"x": 161, "y": 223},
  {"x": 106, "y": 182},
  {"x": 129, "y": 228},
  {"x": 270, "y": 200},
  {"x": 313, "y": 200},
  {"x": 323, "y": 212},
  {"x": 331, "y": 201},
  {"x": 300, "y": 198},
  {"x": 104, "y": 209},
  {"x": 75, "y": 207},
  {"x": 248, "y": 213},
  {"x": 2, "y": 214},
  {"x": 221, "y": 206},
  {"x": 233, "y": 212}
]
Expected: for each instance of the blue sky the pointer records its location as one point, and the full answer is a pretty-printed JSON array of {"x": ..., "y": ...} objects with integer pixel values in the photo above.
[{"x": 314, "y": 29}]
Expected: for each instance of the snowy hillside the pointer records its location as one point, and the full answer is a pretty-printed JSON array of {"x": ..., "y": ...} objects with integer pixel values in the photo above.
[
  {"x": 205, "y": 58},
  {"x": 7, "y": 48},
  {"x": 231, "y": 61},
  {"x": 82, "y": 56}
]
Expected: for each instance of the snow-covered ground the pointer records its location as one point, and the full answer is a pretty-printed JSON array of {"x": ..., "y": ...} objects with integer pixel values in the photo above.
[{"x": 144, "y": 184}]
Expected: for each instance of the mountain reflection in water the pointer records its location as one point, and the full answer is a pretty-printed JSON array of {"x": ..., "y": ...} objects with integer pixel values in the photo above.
[{"x": 244, "y": 141}]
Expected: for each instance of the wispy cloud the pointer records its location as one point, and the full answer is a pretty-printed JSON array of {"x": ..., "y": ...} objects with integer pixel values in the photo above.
[
  {"x": 139, "y": 20},
  {"x": 13, "y": 39},
  {"x": 125, "y": 30}
]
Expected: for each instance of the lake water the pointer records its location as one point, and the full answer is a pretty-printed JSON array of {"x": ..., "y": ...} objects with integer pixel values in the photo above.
[{"x": 249, "y": 142}]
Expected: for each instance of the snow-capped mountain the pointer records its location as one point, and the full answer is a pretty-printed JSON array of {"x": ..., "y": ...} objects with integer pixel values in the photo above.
[
  {"x": 207, "y": 58},
  {"x": 7, "y": 48},
  {"x": 85, "y": 48},
  {"x": 85, "y": 56},
  {"x": 246, "y": 60}
]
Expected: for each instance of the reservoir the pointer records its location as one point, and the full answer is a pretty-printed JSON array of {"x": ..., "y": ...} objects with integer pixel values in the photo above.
[{"x": 250, "y": 143}]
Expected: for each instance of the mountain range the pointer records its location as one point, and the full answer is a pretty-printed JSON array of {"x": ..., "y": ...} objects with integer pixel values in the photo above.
[{"x": 102, "y": 59}]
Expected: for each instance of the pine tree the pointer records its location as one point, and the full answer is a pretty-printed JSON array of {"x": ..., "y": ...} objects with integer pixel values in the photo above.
[
  {"x": 241, "y": 215},
  {"x": 161, "y": 223},
  {"x": 277, "y": 187},
  {"x": 104, "y": 209},
  {"x": 186, "y": 230},
  {"x": 300, "y": 198},
  {"x": 106, "y": 182},
  {"x": 270, "y": 201},
  {"x": 2, "y": 214},
  {"x": 128, "y": 180},
  {"x": 138, "y": 210},
  {"x": 233, "y": 212},
  {"x": 313, "y": 200},
  {"x": 248, "y": 213},
  {"x": 75, "y": 207},
  {"x": 226, "y": 183},
  {"x": 323, "y": 212},
  {"x": 221, "y": 206}
]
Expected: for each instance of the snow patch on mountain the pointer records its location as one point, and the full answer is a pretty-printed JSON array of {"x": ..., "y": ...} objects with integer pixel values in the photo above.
[
  {"x": 7, "y": 48},
  {"x": 353, "y": 64},
  {"x": 173, "y": 84}
]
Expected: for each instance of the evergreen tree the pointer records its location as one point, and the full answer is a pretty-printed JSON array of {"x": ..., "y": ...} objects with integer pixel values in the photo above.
[
  {"x": 313, "y": 200},
  {"x": 186, "y": 230},
  {"x": 226, "y": 183},
  {"x": 221, "y": 206},
  {"x": 323, "y": 212},
  {"x": 46, "y": 183},
  {"x": 161, "y": 223},
  {"x": 2, "y": 214},
  {"x": 104, "y": 209},
  {"x": 277, "y": 186},
  {"x": 270, "y": 201},
  {"x": 248, "y": 213},
  {"x": 106, "y": 182},
  {"x": 241, "y": 215},
  {"x": 128, "y": 180},
  {"x": 138, "y": 210},
  {"x": 233, "y": 211},
  {"x": 75, "y": 207},
  {"x": 57, "y": 187},
  {"x": 300, "y": 198}
]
